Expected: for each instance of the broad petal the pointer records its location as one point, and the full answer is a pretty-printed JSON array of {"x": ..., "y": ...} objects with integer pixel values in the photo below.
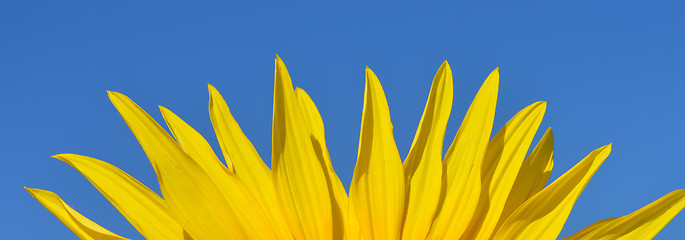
[
  {"x": 337, "y": 190},
  {"x": 502, "y": 161},
  {"x": 462, "y": 164},
  {"x": 255, "y": 219},
  {"x": 532, "y": 177},
  {"x": 242, "y": 156},
  {"x": 543, "y": 215},
  {"x": 193, "y": 198},
  {"x": 83, "y": 227},
  {"x": 644, "y": 223},
  {"x": 377, "y": 188},
  {"x": 423, "y": 166},
  {"x": 142, "y": 207},
  {"x": 298, "y": 176}
]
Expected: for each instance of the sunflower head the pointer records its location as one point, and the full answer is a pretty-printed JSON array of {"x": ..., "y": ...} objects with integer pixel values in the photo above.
[{"x": 482, "y": 188}]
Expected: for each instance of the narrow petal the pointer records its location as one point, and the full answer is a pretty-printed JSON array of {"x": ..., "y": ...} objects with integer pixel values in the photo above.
[
  {"x": 337, "y": 190},
  {"x": 142, "y": 207},
  {"x": 241, "y": 155},
  {"x": 502, "y": 161},
  {"x": 423, "y": 166},
  {"x": 462, "y": 164},
  {"x": 191, "y": 195},
  {"x": 83, "y": 227},
  {"x": 298, "y": 176},
  {"x": 644, "y": 223},
  {"x": 377, "y": 188},
  {"x": 533, "y": 175},
  {"x": 237, "y": 149},
  {"x": 543, "y": 215},
  {"x": 254, "y": 217}
]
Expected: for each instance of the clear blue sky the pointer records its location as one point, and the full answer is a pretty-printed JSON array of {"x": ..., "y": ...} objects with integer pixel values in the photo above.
[{"x": 610, "y": 72}]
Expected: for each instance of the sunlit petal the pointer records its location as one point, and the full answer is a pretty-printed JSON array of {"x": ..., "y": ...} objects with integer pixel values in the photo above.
[
  {"x": 484, "y": 189},
  {"x": 377, "y": 188},
  {"x": 142, "y": 207},
  {"x": 298, "y": 175},
  {"x": 462, "y": 164},
  {"x": 83, "y": 227},
  {"x": 532, "y": 176},
  {"x": 249, "y": 211},
  {"x": 543, "y": 215},
  {"x": 502, "y": 161},
  {"x": 242, "y": 158},
  {"x": 192, "y": 197},
  {"x": 337, "y": 190},
  {"x": 644, "y": 223},
  {"x": 423, "y": 166}
]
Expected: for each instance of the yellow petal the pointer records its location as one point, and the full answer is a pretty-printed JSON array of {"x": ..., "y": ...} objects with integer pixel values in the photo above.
[
  {"x": 237, "y": 149},
  {"x": 254, "y": 217},
  {"x": 644, "y": 223},
  {"x": 298, "y": 175},
  {"x": 543, "y": 215},
  {"x": 462, "y": 164},
  {"x": 533, "y": 175},
  {"x": 377, "y": 188},
  {"x": 241, "y": 155},
  {"x": 83, "y": 227},
  {"x": 423, "y": 166},
  {"x": 337, "y": 190},
  {"x": 193, "y": 144},
  {"x": 502, "y": 161},
  {"x": 142, "y": 207},
  {"x": 191, "y": 195}
]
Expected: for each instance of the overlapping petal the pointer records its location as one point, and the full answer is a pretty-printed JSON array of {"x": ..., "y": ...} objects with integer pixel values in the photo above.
[
  {"x": 242, "y": 158},
  {"x": 192, "y": 196},
  {"x": 338, "y": 195},
  {"x": 251, "y": 214},
  {"x": 377, "y": 188},
  {"x": 462, "y": 164},
  {"x": 142, "y": 207},
  {"x": 532, "y": 176},
  {"x": 298, "y": 175},
  {"x": 543, "y": 215},
  {"x": 483, "y": 189},
  {"x": 83, "y": 227},
  {"x": 644, "y": 223},
  {"x": 502, "y": 161},
  {"x": 423, "y": 166}
]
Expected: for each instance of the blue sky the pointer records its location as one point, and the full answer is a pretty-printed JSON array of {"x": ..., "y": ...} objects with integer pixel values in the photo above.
[{"x": 610, "y": 72}]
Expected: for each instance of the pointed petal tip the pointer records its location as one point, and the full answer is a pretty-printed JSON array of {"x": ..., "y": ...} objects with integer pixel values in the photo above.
[
  {"x": 62, "y": 157},
  {"x": 113, "y": 93},
  {"x": 541, "y": 104},
  {"x": 279, "y": 61},
  {"x": 163, "y": 109}
]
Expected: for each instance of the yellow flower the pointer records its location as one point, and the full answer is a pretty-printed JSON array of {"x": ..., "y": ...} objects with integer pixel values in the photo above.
[{"x": 482, "y": 189}]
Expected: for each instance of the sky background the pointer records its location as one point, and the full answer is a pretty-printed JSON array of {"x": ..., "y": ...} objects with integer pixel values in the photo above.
[{"x": 610, "y": 73}]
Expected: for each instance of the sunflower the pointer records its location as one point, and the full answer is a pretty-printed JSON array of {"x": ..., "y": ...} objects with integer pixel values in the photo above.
[{"x": 481, "y": 189}]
